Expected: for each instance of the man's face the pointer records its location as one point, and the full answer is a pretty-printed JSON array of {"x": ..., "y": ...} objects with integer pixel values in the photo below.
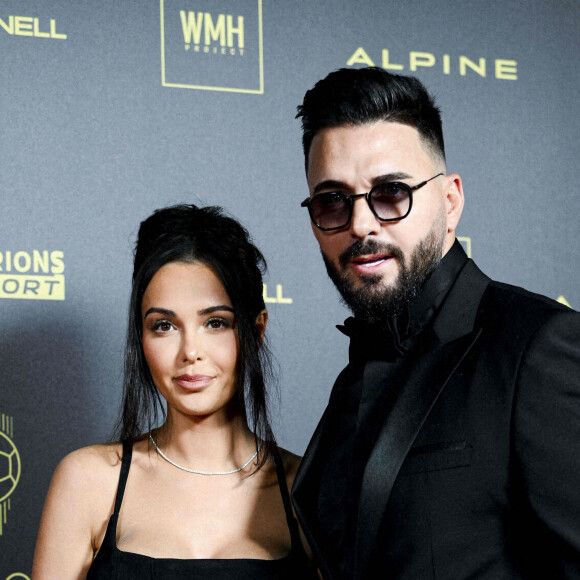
[{"x": 381, "y": 265}]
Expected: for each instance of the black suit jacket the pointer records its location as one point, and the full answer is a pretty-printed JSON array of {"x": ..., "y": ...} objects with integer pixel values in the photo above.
[{"x": 476, "y": 471}]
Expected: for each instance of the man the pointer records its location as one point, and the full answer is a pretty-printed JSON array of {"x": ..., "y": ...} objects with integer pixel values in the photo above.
[{"x": 450, "y": 447}]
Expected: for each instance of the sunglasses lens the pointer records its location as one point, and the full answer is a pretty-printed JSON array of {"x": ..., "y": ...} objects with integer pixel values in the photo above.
[
  {"x": 390, "y": 200},
  {"x": 330, "y": 210}
]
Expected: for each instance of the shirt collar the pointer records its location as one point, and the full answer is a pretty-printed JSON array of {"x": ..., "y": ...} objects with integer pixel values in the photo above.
[{"x": 423, "y": 308}]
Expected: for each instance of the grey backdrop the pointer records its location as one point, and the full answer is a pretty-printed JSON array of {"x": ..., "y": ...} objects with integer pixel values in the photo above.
[{"x": 100, "y": 125}]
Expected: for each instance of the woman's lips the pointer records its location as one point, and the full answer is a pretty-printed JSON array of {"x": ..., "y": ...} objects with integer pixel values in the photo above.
[{"x": 193, "y": 382}]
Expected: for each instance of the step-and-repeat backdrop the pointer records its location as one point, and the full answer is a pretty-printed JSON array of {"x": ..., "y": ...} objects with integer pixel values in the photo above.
[{"x": 112, "y": 109}]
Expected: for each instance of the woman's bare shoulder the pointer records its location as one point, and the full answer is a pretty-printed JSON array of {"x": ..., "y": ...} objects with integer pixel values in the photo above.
[
  {"x": 78, "y": 504},
  {"x": 89, "y": 472},
  {"x": 95, "y": 461},
  {"x": 291, "y": 463}
]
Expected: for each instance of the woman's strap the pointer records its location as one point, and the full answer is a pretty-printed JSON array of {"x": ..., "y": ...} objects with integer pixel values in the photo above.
[
  {"x": 125, "y": 465},
  {"x": 292, "y": 523}
]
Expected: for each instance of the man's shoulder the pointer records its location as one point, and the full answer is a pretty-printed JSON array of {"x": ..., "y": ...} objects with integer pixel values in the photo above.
[
  {"x": 505, "y": 306},
  {"x": 506, "y": 296},
  {"x": 518, "y": 299},
  {"x": 502, "y": 309}
]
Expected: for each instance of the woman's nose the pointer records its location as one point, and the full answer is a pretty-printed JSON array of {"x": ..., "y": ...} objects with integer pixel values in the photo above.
[{"x": 191, "y": 348}]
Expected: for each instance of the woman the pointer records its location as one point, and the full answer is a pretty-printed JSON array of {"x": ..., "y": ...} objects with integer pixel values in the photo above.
[{"x": 203, "y": 495}]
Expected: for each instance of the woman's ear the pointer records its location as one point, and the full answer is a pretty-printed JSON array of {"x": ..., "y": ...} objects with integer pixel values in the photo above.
[{"x": 261, "y": 321}]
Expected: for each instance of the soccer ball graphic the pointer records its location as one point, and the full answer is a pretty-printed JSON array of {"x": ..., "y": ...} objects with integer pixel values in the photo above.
[{"x": 9, "y": 466}]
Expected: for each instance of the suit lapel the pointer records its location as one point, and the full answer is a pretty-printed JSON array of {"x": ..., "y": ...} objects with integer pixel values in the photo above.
[
  {"x": 416, "y": 398},
  {"x": 419, "y": 384}
]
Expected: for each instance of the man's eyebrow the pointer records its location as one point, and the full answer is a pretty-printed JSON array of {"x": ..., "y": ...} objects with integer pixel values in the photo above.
[
  {"x": 155, "y": 310},
  {"x": 217, "y": 308},
  {"x": 329, "y": 184},
  {"x": 390, "y": 177}
]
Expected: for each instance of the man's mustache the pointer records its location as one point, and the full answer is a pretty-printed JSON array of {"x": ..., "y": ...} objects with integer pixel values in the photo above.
[{"x": 360, "y": 248}]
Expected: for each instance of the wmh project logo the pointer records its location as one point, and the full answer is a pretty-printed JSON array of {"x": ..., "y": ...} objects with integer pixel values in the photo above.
[
  {"x": 213, "y": 45},
  {"x": 34, "y": 275}
]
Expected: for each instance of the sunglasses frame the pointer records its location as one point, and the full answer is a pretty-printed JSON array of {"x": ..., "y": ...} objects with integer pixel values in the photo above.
[{"x": 350, "y": 199}]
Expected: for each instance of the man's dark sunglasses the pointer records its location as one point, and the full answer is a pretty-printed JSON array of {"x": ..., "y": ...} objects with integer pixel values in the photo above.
[{"x": 390, "y": 202}]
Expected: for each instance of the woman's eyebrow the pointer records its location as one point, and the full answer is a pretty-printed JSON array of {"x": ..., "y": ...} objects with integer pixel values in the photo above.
[
  {"x": 155, "y": 310},
  {"x": 215, "y": 309}
]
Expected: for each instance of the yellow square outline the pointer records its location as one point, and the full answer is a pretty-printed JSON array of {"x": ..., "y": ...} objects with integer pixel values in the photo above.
[
  {"x": 467, "y": 241},
  {"x": 259, "y": 91}
]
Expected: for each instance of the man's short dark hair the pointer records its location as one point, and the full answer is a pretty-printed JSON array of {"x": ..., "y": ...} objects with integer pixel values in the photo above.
[{"x": 358, "y": 96}]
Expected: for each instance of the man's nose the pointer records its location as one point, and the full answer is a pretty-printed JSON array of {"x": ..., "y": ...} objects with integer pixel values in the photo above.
[{"x": 363, "y": 222}]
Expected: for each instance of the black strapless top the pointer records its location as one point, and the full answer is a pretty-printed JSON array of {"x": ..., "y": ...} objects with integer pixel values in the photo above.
[{"x": 112, "y": 563}]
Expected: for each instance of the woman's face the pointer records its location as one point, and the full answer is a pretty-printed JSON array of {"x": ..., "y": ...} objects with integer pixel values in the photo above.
[{"x": 190, "y": 339}]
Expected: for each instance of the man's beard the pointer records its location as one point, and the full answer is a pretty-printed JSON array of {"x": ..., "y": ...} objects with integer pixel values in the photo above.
[{"x": 375, "y": 303}]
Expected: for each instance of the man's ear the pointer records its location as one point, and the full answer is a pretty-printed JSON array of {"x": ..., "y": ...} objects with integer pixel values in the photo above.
[
  {"x": 454, "y": 202},
  {"x": 261, "y": 321}
]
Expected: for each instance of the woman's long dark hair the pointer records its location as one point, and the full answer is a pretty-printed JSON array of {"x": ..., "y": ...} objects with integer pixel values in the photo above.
[{"x": 186, "y": 233}]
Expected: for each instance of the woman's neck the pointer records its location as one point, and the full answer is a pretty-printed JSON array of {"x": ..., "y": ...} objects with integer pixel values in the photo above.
[{"x": 206, "y": 444}]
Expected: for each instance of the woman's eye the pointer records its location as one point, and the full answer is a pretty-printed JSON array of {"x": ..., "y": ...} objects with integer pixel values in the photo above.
[
  {"x": 162, "y": 326},
  {"x": 217, "y": 323}
]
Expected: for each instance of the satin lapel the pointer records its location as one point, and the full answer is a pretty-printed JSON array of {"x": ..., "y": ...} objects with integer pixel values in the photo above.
[
  {"x": 416, "y": 399},
  {"x": 419, "y": 382}
]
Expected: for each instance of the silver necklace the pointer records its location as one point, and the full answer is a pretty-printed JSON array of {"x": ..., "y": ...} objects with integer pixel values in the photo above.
[{"x": 203, "y": 472}]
